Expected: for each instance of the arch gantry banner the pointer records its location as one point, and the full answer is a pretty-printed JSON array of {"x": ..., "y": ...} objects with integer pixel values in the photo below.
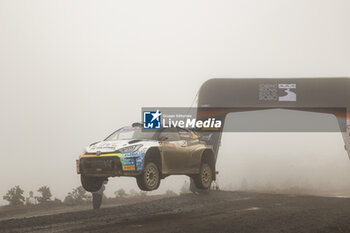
[{"x": 218, "y": 97}]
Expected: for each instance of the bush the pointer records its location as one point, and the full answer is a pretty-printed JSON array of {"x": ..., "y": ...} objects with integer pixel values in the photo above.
[
  {"x": 170, "y": 193},
  {"x": 15, "y": 196},
  {"x": 133, "y": 193},
  {"x": 57, "y": 201},
  {"x": 68, "y": 200},
  {"x": 143, "y": 194},
  {"x": 120, "y": 193}
]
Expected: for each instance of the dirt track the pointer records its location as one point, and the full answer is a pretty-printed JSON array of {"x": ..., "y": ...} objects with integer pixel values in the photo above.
[{"x": 213, "y": 212}]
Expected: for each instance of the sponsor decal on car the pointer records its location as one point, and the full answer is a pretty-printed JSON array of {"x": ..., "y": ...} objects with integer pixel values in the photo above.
[
  {"x": 128, "y": 167},
  {"x": 102, "y": 155},
  {"x": 168, "y": 144}
]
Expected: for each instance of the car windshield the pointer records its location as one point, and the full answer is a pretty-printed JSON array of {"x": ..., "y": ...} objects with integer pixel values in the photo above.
[{"x": 130, "y": 133}]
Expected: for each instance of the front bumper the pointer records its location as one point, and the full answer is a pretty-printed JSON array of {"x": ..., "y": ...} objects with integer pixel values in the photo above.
[
  {"x": 107, "y": 165},
  {"x": 103, "y": 166}
]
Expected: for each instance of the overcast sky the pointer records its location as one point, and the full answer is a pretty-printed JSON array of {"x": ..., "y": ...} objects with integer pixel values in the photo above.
[{"x": 71, "y": 72}]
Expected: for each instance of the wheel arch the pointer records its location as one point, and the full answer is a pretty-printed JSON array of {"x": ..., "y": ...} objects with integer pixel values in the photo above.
[{"x": 153, "y": 154}]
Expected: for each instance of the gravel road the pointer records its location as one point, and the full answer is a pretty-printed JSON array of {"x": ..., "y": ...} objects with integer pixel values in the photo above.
[{"x": 217, "y": 211}]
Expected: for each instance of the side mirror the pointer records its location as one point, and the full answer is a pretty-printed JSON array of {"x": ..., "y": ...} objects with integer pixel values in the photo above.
[{"x": 163, "y": 138}]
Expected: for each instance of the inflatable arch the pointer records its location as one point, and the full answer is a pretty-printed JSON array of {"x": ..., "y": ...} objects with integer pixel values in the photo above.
[{"x": 218, "y": 97}]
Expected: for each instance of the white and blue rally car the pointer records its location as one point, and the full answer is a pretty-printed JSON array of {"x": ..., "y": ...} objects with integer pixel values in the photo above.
[{"x": 149, "y": 156}]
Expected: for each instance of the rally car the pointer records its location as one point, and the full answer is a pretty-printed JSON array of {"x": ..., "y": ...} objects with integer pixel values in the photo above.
[{"x": 149, "y": 156}]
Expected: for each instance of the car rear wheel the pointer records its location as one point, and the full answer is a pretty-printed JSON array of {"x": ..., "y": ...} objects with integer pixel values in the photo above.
[
  {"x": 204, "y": 178},
  {"x": 150, "y": 178},
  {"x": 90, "y": 183}
]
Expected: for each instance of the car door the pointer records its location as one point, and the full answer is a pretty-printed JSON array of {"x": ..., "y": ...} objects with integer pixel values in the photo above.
[
  {"x": 192, "y": 150},
  {"x": 174, "y": 155}
]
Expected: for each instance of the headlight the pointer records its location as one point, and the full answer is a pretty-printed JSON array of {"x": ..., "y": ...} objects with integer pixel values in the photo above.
[{"x": 130, "y": 148}]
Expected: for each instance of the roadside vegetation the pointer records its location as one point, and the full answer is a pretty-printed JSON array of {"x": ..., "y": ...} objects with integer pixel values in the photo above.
[{"x": 78, "y": 196}]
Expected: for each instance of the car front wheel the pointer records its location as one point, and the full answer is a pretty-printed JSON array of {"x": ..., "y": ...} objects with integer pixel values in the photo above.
[
  {"x": 96, "y": 200},
  {"x": 150, "y": 178},
  {"x": 204, "y": 178},
  {"x": 90, "y": 183}
]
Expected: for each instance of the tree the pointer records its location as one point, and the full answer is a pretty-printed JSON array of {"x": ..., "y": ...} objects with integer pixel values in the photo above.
[
  {"x": 120, "y": 193},
  {"x": 15, "y": 196},
  {"x": 45, "y": 194},
  {"x": 31, "y": 199},
  {"x": 77, "y": 196},
  {"x": 80, "y": 195}
]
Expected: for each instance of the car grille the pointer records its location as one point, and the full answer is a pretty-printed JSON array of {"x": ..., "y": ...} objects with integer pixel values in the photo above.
[{"x": 100, "y": 165}]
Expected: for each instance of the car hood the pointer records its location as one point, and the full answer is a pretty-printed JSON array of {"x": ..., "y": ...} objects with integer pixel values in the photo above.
[{"x": 108, "y": 146}]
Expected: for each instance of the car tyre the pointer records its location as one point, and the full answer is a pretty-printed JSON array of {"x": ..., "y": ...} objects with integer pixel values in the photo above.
[
  {"x": 205, "y": 177},
  {"x": 150, "y": 178},
  {"x": 91, "y": 184},
  {"x": 96, "y": 200},
  {"x": 140, "y": 183}
]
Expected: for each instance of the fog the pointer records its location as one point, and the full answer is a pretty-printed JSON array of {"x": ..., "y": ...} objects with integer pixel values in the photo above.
[
  {"x": 289, "y": 162},
  {"x": 71, "y": 72},
  {"x": 294, "y": 163}
]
